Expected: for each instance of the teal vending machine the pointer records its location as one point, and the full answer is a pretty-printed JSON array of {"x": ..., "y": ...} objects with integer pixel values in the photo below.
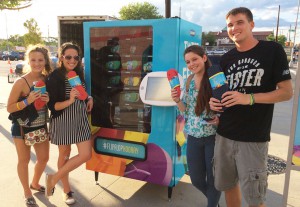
[{"x": 133, "y": 138}]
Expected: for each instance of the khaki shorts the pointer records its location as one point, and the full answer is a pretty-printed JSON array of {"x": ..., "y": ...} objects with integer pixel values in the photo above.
[{"x": 243, "y": 162}]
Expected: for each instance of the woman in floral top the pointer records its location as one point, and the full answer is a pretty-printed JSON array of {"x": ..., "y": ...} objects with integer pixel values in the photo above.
[{"x": 201, "y": 123}]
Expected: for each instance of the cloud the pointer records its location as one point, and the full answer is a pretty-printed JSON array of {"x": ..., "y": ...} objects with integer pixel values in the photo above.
[{"x": 209, "y": 14}]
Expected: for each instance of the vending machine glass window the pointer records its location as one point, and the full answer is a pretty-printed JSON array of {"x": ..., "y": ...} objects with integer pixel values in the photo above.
[{"x": 120, "y": 58}]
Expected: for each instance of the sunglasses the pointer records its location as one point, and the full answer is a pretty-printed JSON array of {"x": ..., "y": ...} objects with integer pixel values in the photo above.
[{"x": 69, "y": 57}]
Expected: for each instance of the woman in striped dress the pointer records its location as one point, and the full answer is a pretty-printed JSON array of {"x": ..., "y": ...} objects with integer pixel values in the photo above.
[{"x": 69, "y": 119}]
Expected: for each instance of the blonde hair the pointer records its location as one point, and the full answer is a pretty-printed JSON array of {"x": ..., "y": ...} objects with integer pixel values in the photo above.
[{"x": 42, "y": 49}]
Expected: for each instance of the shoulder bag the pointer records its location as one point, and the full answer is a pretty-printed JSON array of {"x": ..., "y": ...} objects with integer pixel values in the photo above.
[{"x": 38, "y": 135}]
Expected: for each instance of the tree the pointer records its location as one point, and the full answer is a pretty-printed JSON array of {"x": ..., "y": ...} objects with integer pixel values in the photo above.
[
  {"x": 14, "y": 4},
  {"x": 139, "y": 11},
  {"x": 281, "y": 39},
  {"x": 209, "y": 38},
  {"x": 34, "y": 36},
  {"x": 16, "y": 40},
  {"x": 51, "y": 41}
]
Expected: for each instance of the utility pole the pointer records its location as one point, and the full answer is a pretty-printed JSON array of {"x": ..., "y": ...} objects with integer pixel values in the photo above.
[
  {"x": 290, "y": 34},
  {"x": 276, "y": 37},
  {"x": 294, "y": 43},
  {"x": 168, "y": 8},
  {"x": 7, "y": 46}
]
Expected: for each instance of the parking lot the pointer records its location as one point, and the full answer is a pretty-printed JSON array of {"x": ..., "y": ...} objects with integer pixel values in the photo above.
[{"x": 4, "y": 66}]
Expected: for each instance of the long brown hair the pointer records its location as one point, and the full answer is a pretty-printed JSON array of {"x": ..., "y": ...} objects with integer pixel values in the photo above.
[
  {"x": 62, "y": 50},
  {"x": 205, "y": 91}
]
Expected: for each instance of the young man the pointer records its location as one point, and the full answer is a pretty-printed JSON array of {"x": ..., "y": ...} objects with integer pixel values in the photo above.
[{"x": 258, "y": 76}]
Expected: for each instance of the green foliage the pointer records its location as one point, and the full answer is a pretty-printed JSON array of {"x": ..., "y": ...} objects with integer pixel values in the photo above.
[
  {"x": 5, "y": 45},
  {"x": 209, "y": 38},
  {"x": 281, "y": 39},
  {"x": 135, "y": 11},
  {"x": 51, "y": 41},
  {"x": 34, "y": 36},
  {"x": 14, "y": 4}
]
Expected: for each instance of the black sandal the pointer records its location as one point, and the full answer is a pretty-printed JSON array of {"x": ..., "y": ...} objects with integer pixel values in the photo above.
[
  {"x": 30, "y": 202},
  {"x": 41, "y": 189}
]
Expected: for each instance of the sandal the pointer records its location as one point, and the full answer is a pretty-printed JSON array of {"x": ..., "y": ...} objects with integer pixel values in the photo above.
[
  {"x": 48, "y": 191},
  {"x": 30, "y": 202},
  {"x": 40, "y": 189}
]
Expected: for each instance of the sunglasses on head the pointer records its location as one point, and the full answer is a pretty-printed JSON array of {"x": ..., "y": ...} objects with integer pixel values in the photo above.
[{"x": 69, "y": 57}]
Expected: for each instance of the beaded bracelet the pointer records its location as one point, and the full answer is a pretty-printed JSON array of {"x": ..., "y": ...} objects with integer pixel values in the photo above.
[{"x": 25, "y": 102}]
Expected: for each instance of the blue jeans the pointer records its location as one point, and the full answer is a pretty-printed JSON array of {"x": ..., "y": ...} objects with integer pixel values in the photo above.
[{"x": 200, "y": 153}]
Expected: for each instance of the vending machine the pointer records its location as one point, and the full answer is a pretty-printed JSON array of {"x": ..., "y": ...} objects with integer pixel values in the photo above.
[{"x": 131, "y": 138}]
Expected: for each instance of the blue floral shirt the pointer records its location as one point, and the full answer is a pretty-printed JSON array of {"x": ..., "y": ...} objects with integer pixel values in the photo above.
[{"x": 195, "y": 125}]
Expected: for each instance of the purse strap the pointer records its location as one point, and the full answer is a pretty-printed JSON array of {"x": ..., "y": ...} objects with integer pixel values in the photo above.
[{"x": 22, "y": 132}]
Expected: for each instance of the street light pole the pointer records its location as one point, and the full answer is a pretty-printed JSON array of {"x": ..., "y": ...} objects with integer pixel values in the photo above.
[
  {"x": 168, "y": 8},
  {"x": 296, "y": 23},
  {"x": 276, "y": 37},
  {"x": 7, "y": 47}
]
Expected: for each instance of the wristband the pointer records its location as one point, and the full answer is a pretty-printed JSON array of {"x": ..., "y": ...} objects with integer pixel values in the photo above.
[
  {"x": 90, "y": 97},
  {"x": 25, "y": 102},
  {"x": 177, "y": 101},
  {"x": 252, "y": 101},
  {"x": 18, "y": 107}
]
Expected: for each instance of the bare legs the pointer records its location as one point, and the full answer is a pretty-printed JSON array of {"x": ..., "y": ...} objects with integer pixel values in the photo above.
[
  {"x": 64, "y": 154},
  {"x": 42, "y": 156},
  {"x": 234, "y": 199},
  {"x": 84, "y": 154}
]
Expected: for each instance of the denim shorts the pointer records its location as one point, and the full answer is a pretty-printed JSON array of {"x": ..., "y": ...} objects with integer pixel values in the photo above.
[
  {"x": 244, "y": 163},
  {"x": 16, "y": 130}
]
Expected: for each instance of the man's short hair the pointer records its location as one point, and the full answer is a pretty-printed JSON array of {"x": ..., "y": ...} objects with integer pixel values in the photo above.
[{"x": 241, "y": 10}]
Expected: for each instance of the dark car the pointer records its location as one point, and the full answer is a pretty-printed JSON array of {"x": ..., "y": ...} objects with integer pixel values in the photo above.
[
  {"x": 21, "y": 55},
  {"x": 20, "y": 67},
  {"x": 13, "y": 55}
]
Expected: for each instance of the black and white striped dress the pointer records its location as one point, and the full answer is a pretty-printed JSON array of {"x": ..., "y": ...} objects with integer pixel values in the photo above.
[{"x": 72, "y": 125}]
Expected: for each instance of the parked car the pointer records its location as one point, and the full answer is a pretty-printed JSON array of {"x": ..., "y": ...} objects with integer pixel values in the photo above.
[
  {"x": 3, "y": 53},
  {"x": 218, "y": 52},
  {"x": 19, "y": 70},
  {"x": 13, "y": 55},
  {"x": 21, "y": 55},
  {"x": 54, "y": 60}
]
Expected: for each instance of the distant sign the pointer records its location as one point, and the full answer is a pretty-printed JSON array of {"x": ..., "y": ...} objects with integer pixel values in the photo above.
[
  {"x": 288, "y": 50},
  {"x": 19, "y": 48}
]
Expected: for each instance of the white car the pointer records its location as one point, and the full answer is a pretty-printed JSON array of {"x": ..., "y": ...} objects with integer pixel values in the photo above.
[{"x": 218, "y": 52}]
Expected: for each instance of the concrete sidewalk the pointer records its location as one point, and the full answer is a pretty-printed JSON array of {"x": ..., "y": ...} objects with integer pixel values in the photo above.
[{"x": 113, "y": 191}]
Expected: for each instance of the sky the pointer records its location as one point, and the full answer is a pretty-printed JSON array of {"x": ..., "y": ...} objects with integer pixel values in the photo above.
[{"x": 209, "y": 14}]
